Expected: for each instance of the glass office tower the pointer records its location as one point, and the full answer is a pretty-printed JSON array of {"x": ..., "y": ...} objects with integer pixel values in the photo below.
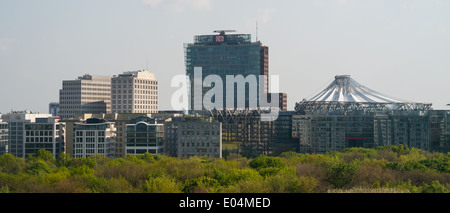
[{"x": 227, "y": 54}]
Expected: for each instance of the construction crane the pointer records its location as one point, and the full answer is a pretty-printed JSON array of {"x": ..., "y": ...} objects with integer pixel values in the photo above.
[{"x": 222, "y": 32}]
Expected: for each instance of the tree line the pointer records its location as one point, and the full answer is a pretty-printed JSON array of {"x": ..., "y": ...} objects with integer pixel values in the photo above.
[{"x": 390, "y": 169}]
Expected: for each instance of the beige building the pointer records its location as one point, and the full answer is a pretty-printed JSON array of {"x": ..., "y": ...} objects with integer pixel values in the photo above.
[
  {"x": 120, "y": 123},
  {"x": 134, "y": 92},
  {"x": 94, "y": 137},
  {"x": 87, "y": 94}
]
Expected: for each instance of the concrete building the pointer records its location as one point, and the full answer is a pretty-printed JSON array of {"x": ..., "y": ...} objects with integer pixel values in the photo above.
[
  {"x": 120, "y": 121},
  {"x": 93, "y": 137},
  {"x": 3, "y": 136},
  {"x": 192, "y": 136},
  {"x": 30, "y": 132},
  {"x": 144, "y": 135},
  {"x": 134, "y": 92},
  {"x": 87, "y": 94}
]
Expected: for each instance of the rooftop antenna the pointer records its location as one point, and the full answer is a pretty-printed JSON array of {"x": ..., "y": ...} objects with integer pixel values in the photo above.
[
  {"x": 147, "y": 64},
  {"x": 256, "y": 30}
]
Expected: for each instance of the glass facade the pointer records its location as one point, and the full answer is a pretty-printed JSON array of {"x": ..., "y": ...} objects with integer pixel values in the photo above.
[
  {"x": 144, "y": 135},
  {"x": 224, "y": 55}
]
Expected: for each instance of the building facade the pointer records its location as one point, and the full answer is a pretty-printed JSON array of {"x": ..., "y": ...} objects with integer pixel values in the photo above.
[
  {"x": 348, "y": 114},
  {"x": 324, "y": 133},
  {"x": 428, "y": 130},
  {"x": 134, "y": 92},
  {"x": 192, "y": 136},
  {"x": 93, "y": 137},
  {"x": 227, "y": 55},
  {"x": 144, "y": 135},
  {"x": 87, "y": 94},
  {"x": 44, "y": 133},
  {"x": 53, "y": 108},
  {"x": 244, "y": 133},
  {"x": 28, "y": 132}
]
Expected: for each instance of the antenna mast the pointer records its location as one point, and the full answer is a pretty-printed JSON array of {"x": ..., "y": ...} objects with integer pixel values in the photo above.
[{"x": 256, "y": 30}]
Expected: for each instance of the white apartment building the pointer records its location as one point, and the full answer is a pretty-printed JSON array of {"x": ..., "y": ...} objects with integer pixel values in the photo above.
[
  {"x": 87, "y": 94},
  {"x": 134, "y": 92},
  {"x": 30, "y": 132},
  {"x": 93, "y": 137}
]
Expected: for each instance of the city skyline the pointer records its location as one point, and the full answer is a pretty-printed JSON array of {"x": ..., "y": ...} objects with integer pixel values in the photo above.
[{"x": 398, "y": 48}]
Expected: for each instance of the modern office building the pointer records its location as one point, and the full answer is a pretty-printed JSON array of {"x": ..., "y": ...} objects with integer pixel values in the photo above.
[
  {"x": 144, "y": 135},
  {"x": 3, "y": 136},
  {"x": 226, "y": 55},
  {"x": 193, "y": 136},
  {"x": 428, "y": 130},
  {"x": 45, "y": 133},
  {"x": 87, "y": 94},
  {"x": 348, "y": 114},
  {"x": 134, "y": 92},
  {"x": 30, "y": 132},
  {"x": 93, "y": 137},
  {"x": 120, "y": 121},
  {"x": 244, "y": 133}
]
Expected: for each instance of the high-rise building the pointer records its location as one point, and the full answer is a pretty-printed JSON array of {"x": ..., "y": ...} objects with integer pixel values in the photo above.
[
  {"x": 30, "y": 132},
  {"x": 87, "y": 94},
  {"x": 134, "y": 92},
  {"x": 93, "y": 137},
  {"x": 227, "y": 55}
]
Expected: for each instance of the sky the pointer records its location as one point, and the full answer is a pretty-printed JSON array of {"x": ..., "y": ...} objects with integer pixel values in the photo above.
[{"x": 397, "y": 47}]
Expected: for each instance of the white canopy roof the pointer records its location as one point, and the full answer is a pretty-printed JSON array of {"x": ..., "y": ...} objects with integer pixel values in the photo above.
[{"x": 345, "y": 89}]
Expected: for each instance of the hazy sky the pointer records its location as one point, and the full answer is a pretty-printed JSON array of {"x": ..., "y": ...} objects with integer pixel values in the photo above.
[{"x": 397, "y": 47}]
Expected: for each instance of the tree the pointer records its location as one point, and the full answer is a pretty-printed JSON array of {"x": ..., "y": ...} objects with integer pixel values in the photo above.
[
  {"x": 44, "y": 155},
  {"x": 63, "y": 160},
  {"x": 340, "y": 174},
  {"x": 434, "y": 187},
  {"x": 10, "y": 164},
  {"x": 39, "y": 167}
]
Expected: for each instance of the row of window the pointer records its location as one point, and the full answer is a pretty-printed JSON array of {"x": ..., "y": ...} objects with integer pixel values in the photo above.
[
  {"x": 90, "y": 146},
  {"x": 136, "y": 81},
  {"x": 91, "y": 140}
]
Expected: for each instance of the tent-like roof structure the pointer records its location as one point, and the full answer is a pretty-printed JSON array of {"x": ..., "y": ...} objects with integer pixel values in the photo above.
[{"x": 345, "y": 93}]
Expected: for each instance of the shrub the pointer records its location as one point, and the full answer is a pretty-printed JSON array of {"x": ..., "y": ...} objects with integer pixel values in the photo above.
[
  {"x": 202, "y": 185},
  {"x": 434, "y": 187}
]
